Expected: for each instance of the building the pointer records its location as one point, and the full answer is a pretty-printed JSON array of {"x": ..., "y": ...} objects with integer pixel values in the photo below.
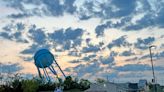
[
  {"x": 142, "y": 86},
  {"x": 106, "y": 87}
]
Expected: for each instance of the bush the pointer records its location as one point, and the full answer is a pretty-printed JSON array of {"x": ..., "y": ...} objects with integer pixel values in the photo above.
[
  {"x": 17, "y": 85},
  {"x": 30, "y": 85},
  {"x": 47, "y": 86},
  {"x": 84, "y": 84}
]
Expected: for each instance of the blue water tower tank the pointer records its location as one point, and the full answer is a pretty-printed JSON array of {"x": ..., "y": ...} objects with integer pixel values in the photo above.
[{"x": 43, "y": 58}]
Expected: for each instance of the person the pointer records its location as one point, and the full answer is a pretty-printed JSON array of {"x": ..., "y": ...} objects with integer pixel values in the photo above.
[{"x": 58, "y": 89}]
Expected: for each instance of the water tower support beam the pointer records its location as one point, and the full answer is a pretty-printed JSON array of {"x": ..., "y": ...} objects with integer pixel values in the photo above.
[{"x": 60, "y": 69}]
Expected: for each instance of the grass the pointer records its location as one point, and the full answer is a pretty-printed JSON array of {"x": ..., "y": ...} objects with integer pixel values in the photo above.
[{"x": 74, "y": 90}]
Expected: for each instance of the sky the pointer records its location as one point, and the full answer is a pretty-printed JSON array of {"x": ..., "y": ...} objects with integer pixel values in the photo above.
[{"x": 89, "y": 38}]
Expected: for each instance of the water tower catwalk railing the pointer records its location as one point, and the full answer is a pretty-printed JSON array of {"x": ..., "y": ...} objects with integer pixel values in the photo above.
[{"x": 44, "y": 59}]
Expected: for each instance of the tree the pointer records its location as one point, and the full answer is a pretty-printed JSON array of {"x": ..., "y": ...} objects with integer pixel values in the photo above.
[
  {"x": 30, "y": 85},
  {"x": 67, "y": 82},
  {"x": 99, "y": 80},
  {"x": 84, "y": 84}
]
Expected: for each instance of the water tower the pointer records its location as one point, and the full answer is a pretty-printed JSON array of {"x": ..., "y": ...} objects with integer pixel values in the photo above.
[{"x": 44, "y": 60}]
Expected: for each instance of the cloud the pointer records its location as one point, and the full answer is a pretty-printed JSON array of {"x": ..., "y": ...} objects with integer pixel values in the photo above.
[
  {"x": 119, "y": 42},
  {"x": 132, "y": 59},
  {"x": 33, "y": 48},
  {"x": 19, "y": 15},
  {"x": 10, "y": 68},
  {"x": 90, "y": 48},
  {"x": 119, "y": 9},
  {"x": 5, "y": 35},
  {"x": 75, "y": 61},
  {"x": 19, "y": 26},
  {"x": 108, "y": 9},
  {"x": 110, "y": 24},
  {"x": 68, "y": 38},
  {"x": 137, "y": 67},
  {"x": 89, "y": 57},
  {"x": 159, "y": 55},
  {"x": 83, "y": 69},
  {"x": 124, "y": 8},
  {"x": 30, "y": 50},
  {"x": 14, "y": 32},
  {"x": 131, "y": 75},
  {"x": 125, "y": 12},
  {"x": 113, "y": 53},
  {"x": 37, "y": 35},
  {"x": 143, "y": 43},
  {"x": 69, "y": 6},
  {"x": 74, "y": 53},
  {"x": 110, "y": 76},
  {"x": 41, "y": 7},
  {"x": 54, "y": 7},
  {"x": 108, "y": 60},
  {"x": 127, "y": 53},
  {"x": 144, "y": 56}
]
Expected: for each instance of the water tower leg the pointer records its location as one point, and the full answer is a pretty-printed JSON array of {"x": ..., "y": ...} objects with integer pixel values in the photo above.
[
  {"x": 45, "y": 72},
  {"x": 40, "y": 75},
  {"x": 46, "y": 75},
  {"x": 60, "y": 69},
  {"x": 53, "y": 71}
]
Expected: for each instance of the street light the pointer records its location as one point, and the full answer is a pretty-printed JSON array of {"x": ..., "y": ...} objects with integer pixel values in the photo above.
[{"x": 154, "y": 81}]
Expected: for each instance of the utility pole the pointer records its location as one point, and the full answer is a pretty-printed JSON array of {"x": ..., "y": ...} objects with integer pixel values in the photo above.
[{"x": 154, "y": 80}]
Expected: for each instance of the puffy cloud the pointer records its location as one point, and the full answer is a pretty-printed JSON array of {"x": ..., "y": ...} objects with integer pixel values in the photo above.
[
  {"x": 69, "y": 6},
  {"x": 159, "y": 55},
  {"x": 109, "y": 24},
  {"x": 127, "y": 53},
  {"x": 132, "y": 59},
  {"x": 99, "y": 9},
  {"x": 75, "y": 61},
  {"x": 10, "y": 68},
  {"x": 19, "y": 15},
  {"x": 89, "y": 57},
  {"x": 143, "y": 43},
  {"x": 12, "y": 26},
  {"x": 137, "y": 67},
  {"x": 41, "y": 7},
  {"x": 74, "y": 53},
  {"x": 37, "y": 35},
  {"x": 34, "y": 47},
  {"x": 108, "y": 60},
  {"x": 54, "y": 7},
  {"x": 108, "y": 9},
  {"x": 119, "y": 42},
  {"x": 88, "y": 68},
  {"x": 5, "y": 35},
  {"x": 90, "y": 48},
  {"x": 124, "y": 8},
  {"x": 67, "y": 38},
  {"x": 14, "y": 32}
]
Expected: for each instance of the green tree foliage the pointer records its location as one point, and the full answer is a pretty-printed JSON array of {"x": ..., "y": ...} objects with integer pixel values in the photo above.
[
  {"x": 68, "y": 83},
  {"x": 18, "y": 84},
  {"x": 84, "y": 84},
  {"x": 100, "y": 80},
  {"x": 30, "y": 85}
]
